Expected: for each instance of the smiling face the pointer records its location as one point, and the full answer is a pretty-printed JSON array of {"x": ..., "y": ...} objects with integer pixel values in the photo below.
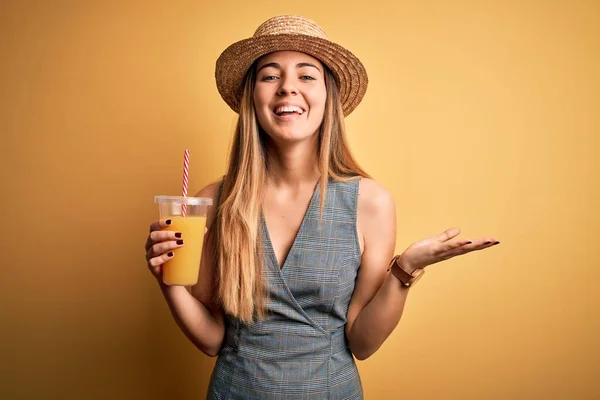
[{"x": 289, "y": 95}]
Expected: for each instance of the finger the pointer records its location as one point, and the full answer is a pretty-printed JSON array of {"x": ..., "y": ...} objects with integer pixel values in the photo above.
[
  {"x": 455, "y": 244},
  {"x": 480, "y": 244},
  {"x": 156, "y": 226},
  {"x": 449, "y": 234},
  {"x": 490, "y": 243},
  {"x": 163, "y": 247},
  {"x": 475, "y": 243},
  {"x": 161, "y": 236},
  {"x": 160, "y": 224},
  {"x": 486, "y": 242},
  {"x": 464, "y": 246},
  {"x": 160, "y": 260}
]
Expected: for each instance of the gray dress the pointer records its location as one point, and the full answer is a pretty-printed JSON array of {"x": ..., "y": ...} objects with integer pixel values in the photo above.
[{"x": 299, "y": 351}]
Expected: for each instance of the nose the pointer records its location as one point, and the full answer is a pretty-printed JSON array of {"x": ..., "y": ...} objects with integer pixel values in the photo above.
[{"x": 287, "y": 86}]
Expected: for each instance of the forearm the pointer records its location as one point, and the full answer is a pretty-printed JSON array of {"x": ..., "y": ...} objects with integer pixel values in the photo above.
[
  {"x": 378, "y": 319},
  {"x": 194, "y": 319}
]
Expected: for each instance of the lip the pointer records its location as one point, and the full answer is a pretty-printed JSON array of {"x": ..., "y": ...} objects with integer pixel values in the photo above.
[{"x": 287, "y": 117}]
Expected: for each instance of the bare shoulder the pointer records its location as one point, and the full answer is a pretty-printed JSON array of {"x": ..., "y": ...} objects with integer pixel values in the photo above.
[
  {"x": 374, "y": 199},
  {"x": 211, "y": 191},
  {"x": 376, "y": 215}
]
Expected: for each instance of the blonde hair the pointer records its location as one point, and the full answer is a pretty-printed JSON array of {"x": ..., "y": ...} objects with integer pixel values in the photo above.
[{"x": 240, "y": 280}]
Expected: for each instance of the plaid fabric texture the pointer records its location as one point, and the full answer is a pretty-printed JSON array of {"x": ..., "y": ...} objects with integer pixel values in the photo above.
[{"x": 299, "y": 351}]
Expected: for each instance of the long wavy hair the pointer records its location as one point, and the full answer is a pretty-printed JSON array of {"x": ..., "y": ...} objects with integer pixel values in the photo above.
[{"x": 240, "y": 281}]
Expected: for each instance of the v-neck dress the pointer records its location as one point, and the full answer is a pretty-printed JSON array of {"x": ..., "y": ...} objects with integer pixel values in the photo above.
[{"x": 299, "y": 351}]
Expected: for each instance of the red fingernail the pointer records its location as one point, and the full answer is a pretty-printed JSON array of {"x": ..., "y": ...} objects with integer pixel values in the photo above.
[
  {"x": 178, "y": 235},
  {"x": 469, "y": 242},
  {"x": 168, "y": 222},
  {"x": 180, "y": 242},
  {"x": 488, "y": 242},
  {"x": 170, "y": 254}
]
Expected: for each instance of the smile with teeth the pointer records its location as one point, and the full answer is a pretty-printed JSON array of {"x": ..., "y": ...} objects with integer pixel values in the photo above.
[{"x": 286, "y": 110}]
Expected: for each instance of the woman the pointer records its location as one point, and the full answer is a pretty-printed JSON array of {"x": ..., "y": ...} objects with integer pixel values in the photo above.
[{"x": 295, "y": 275}]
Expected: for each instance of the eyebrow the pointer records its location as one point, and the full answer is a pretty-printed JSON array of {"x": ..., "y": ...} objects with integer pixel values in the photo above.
[{"x": 299, "y": 65}]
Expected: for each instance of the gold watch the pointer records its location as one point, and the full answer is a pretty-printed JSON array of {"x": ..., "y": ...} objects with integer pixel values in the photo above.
[{"x": 407, "y": 279}]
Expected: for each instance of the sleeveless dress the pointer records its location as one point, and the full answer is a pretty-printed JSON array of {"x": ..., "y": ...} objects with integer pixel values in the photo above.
[{"x": 299, "y": 351}]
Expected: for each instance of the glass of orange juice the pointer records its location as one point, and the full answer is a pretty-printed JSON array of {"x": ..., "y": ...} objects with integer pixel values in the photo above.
[{"x": 188, "y": 216}]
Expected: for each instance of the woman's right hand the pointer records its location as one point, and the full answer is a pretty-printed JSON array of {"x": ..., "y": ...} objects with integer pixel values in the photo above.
[{"x": 160, "y": 245}]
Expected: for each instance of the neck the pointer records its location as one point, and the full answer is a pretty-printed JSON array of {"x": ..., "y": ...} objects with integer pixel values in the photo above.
[{"x": 293, "y": 164}]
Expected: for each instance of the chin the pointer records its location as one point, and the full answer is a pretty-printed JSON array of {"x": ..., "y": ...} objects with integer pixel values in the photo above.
[{"x": 290, "y": 136}]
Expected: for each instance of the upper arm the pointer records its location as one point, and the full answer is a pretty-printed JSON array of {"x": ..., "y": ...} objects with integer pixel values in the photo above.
[
  {"x": 205, "y": 290},
  {"x": 377, "y": 231}
]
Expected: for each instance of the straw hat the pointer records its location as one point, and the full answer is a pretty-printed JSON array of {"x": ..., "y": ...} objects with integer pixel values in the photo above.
[{"x": 290, "y": 32}]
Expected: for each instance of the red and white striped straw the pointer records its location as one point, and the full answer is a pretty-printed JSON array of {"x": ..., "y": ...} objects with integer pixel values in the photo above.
[{"x": 186, "y": 171}]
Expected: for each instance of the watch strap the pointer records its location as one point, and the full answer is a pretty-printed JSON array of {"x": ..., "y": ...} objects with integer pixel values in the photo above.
[{"x": 402, "y": 275}]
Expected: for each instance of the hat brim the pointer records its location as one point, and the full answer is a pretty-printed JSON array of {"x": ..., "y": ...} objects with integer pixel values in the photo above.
[{"x": 233, "y": 64}]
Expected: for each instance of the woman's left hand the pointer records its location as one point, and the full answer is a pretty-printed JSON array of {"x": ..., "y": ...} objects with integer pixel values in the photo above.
[{"x": 441, "y": 247}]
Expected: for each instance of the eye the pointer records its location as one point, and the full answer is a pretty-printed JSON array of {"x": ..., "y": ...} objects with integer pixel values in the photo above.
[
  {"x": 268, "y": 78},
  {"x": 307, "y": 78}
]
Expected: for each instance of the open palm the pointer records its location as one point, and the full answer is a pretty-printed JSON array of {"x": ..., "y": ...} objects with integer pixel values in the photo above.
[{"x": 442, "y": 247}]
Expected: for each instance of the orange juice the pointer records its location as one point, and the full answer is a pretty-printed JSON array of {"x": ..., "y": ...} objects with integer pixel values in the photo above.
[{"x": 183, "y": 268}]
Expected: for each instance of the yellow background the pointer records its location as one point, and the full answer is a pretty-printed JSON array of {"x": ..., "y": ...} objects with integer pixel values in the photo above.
[{"x": 482, "y": 115}]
